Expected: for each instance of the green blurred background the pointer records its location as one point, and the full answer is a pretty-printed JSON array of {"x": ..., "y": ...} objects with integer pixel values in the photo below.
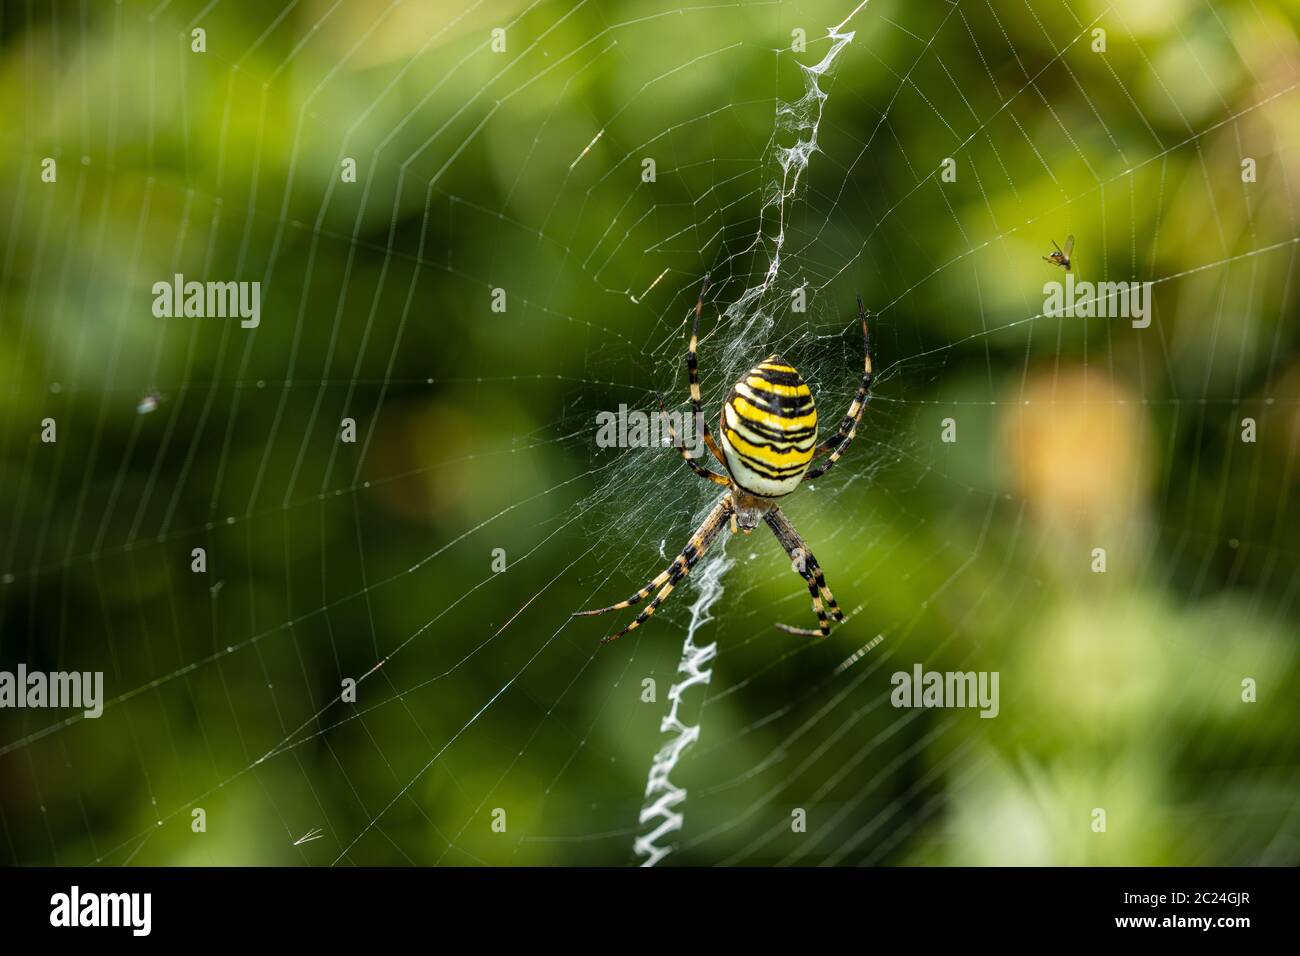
[{"x": 476, "y": 429}]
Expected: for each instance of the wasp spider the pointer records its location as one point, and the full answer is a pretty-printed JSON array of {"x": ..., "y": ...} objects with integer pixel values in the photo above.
[{"x": 768, "y": 432}]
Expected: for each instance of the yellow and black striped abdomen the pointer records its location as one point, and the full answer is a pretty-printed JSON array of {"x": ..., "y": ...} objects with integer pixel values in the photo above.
[{"x": 769, "y": 428}]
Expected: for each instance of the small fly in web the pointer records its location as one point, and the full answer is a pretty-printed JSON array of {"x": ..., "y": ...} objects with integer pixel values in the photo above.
[
  {"x": 1061, "y": 257},
  {"x": 315, "y": 833},
  {"x": 149, "y": 403},
  {"x": 768, "y": 431}
]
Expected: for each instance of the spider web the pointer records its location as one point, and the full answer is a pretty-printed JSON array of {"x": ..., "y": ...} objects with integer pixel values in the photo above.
[{"x": 489, "y": 726}]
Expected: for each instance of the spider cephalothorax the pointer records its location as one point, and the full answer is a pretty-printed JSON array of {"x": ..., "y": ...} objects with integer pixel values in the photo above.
[
  {"x": 768, "y": 427},
  {"x": 748, "y": 511}
]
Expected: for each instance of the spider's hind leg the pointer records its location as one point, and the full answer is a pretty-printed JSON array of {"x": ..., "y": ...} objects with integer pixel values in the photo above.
[
  {"x": 668, "y": 579},
  {"x": 823, "y": 625},
  {"x": 806, "y": 564},
  {"x": 678, "y": 573}
]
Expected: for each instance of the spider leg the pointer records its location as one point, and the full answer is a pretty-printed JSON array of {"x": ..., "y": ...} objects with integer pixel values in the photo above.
[
  {"x": 823, "y": 626},
  {"x": 693, "y": 369},
  {"x": 806, "y": 564},
  {"x": 837, "y": 444},
  {"x": 667, "y": 579},
  {"x": 686, "y": 452},
  {"x": 650, "y": 608}
]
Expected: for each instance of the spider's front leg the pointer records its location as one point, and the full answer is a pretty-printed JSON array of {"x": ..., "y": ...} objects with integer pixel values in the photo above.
[
  {"x": 687, "y": 456},
  {"x": 806, "y": 564},
  {"x": 693, "y": 372},
  {"x": 840, "y": 441},
  {"x": 667, "y": 579}
]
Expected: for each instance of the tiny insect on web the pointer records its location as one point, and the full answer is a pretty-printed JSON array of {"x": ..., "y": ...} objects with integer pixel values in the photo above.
[
  {"x": 149, "y": 403},
  {"x": 768, "y": 431},
  {"x": 1062, "y": 257}
]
